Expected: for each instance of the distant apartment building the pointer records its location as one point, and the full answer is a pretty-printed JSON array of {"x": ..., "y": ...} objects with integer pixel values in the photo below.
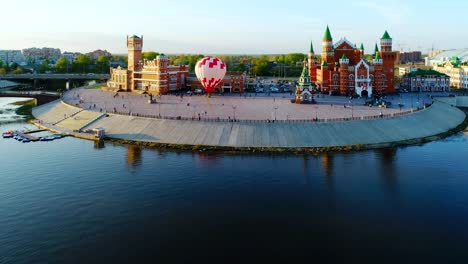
[
  {"x": 34, "y": 55},
  {"x": 457, "y": 71},
  {"x": 411, "y": 57},
  {"x": 94, "y": 55},
  {"x": 12, "y": 56},
  {"x": 426, "y": 81},
  {"x": 70, "y": 56}
]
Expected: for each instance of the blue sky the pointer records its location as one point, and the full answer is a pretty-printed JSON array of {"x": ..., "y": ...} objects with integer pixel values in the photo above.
[{"x": 238, "y": 27}]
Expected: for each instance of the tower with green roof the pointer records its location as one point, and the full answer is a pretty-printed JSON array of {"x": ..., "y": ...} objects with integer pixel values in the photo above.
[
  {"x": 312, "y": 63},
  {"x": 386, "y": 42},
  {"x": 327, "y": 47},
  {"x": 304, "y": 86},
  {"x": 376, "y": 49}
]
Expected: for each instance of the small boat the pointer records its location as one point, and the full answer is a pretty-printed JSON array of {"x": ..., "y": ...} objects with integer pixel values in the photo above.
[
  {"x": 8, "y": 134},
  {"x": 26, "y": 140},
  {"x": 48, "y": 138}
]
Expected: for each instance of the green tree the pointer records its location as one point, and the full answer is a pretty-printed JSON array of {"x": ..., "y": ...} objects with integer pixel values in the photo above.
[
  {"x": 81, "y": 64},
  {"x": 292, "y": 58},
  {"x": 260, "y": 66},
  {"x": 103, "y": 63},
  {"x": 43, "y": 67},
  {"x": 62, "y": 65},
  {"x": 2, "y": 71},
  {"x": 18, "y": 70},
  {"x": 149, "y": 55}
]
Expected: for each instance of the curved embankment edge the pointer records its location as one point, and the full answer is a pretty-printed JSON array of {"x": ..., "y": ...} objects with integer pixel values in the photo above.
[{"x": 435, "y": 122}]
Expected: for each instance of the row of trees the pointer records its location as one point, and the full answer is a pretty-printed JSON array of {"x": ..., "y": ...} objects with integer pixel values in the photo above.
[{"x": 264, "y": 65}]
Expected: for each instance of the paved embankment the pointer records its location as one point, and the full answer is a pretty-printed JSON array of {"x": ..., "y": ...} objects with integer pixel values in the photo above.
[{"x": 437, "y": 119}]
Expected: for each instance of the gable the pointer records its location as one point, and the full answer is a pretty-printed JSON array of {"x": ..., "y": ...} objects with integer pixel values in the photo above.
[{"x": 344, "y": 44}]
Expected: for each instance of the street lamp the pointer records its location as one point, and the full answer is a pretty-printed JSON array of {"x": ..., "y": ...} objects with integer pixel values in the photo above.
[
  {"x": 234, "y": 110},
  {"x": 276, "y": 107}
]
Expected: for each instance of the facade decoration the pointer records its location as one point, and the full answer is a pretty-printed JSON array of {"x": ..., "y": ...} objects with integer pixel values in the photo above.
[{"x": 344, "y": 71}]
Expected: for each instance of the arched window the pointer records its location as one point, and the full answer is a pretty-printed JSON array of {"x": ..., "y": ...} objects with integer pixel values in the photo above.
[
  {"x": 351, "y": 77},
  {"x": 335, "y": 79},
  {"x": 361, "y": 77}
]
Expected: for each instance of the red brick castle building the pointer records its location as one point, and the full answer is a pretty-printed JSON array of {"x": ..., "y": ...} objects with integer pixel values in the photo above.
[{"x": 343, "y": 69}]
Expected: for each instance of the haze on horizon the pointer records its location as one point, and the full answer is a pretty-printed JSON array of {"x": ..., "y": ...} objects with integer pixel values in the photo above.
[{"x": 236, "y": 27}]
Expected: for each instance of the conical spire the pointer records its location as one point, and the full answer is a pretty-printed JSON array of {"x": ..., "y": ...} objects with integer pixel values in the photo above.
[
  {"x": 327, "y": 34},
  {"x": 376, "y": 48},
  {"x": 362, "y": 47},
  {"x": 311, "y": 48},
  {"x": 386, "y": 35}
]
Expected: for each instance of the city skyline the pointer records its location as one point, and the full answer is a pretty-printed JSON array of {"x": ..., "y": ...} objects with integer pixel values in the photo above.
[{"x": 239, "y": 27}]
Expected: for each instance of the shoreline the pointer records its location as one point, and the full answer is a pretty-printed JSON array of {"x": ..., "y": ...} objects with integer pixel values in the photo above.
[
  {"x": 287, "y": 150},
  {"x": 124, "y": 130}
]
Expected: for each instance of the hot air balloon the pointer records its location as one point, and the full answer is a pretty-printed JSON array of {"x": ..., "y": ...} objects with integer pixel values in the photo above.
[{"x": 210, "y": 72}]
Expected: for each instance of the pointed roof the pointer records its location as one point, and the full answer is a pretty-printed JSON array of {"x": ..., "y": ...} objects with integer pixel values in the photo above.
[
  {"x": 304, "y": 80},
  {"x": 343, "y": 57},
  {"x": 327, "y": 34},
  {"x": 135, "y": 37},
  {"x": 386, "y": 35},
  {"x": 377, "y": 57},
  {"x": 362, "y": 46},
  {"x": 324, "y": 63},
  {"x": 311, "y": 48},
  {"x": 376, "y": 48}
]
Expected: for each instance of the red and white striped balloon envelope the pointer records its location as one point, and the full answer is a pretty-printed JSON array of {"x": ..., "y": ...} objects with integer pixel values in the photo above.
[{"x": 210, "y": 72}]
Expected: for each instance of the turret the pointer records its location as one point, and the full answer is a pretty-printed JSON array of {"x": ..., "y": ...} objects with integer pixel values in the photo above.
[
  {"x": 376, "y": 50},
  {"x": 134, "y": 46},
  {"x": 312, "y": 64},
  {"x": 386, "y": 42},
  {"x": 344, "y": 73},
  {"x": 327, "y": 47},
  {"x": 377, "y": 60},
  {"x": 361, "y": 50}
]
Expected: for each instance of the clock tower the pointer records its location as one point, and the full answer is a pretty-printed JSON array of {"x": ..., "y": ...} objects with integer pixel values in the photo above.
[{"x": 134, "y": 46}]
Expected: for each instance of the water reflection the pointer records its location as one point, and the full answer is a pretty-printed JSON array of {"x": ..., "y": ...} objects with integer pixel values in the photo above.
[
  {"x": 327, "y": 168},
  {"x": 387, "y": 167},
  {"x": 99, "y": 144},
  {"x": 305, "y": 169},
  {"x": 133, "y": 155}
]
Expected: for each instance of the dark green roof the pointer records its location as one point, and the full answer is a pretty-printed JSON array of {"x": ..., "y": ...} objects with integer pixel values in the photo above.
[
  {"x": 376, "y": 48},
  {"x": 386, "y": 35},
  {"x": 311, "y": 48},
  {"x": 343, "y": 57},
  {"x": 421, "y": 72},
  {"x": 327, "y": 34},
  {"x": 324, "y": 63},
  {"x": 135, "y": 37},
  {"x": 377, "y": 57},
  {"x": 362, "y": 47}
]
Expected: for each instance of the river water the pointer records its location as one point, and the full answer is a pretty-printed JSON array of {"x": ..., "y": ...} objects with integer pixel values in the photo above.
[{"x": 71, "y": 201}]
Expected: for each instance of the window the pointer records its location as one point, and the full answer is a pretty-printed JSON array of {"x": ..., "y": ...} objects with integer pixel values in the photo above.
[{"x": 351, "y": 77}]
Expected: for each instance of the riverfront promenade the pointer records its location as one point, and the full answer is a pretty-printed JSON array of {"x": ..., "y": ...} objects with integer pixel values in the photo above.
[
  {"x": 438, "y": 118},
  {"x": 247, "y": 107}
]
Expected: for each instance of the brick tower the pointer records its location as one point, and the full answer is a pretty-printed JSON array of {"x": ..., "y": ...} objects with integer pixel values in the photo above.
[
  {"x": 328, "y": 54},
  {"x": 388, "y": 57},
  {"x": 312, "y": 64},
  {"x": 134, "y": 46},
  {"x": 344, "y": 73},
  {"x": 379, "y": 83}
]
